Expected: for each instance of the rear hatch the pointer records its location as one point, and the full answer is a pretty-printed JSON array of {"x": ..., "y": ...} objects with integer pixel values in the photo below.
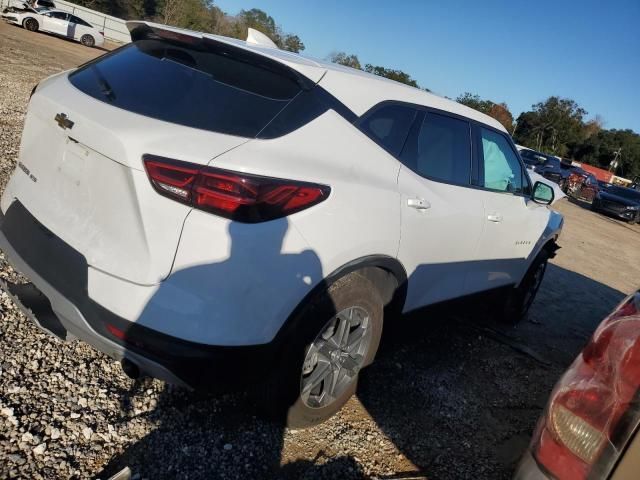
[{"x": 80, "y": 167}]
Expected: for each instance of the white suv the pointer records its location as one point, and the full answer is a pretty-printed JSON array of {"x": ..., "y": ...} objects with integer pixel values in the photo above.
[{"x": 209, "y": 210}]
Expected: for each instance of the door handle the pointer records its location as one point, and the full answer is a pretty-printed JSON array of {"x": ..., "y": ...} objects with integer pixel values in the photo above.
[
  {"x": 418, "y": 203},
  {"x": 494, "y": 217}
]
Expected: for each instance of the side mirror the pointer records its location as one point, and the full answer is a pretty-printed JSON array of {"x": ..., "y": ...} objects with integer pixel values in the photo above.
[{"x": 542, "y": 193}]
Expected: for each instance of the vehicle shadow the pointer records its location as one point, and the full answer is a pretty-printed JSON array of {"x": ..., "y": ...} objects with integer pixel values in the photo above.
[
  {"x": 462, "y": 392},
  {"x": 202, "y": 435},
  {"x": 456, "y": 393}
]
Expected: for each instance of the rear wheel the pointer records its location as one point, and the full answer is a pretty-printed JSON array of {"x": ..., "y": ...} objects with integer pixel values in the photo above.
[
  {"x": 31, "y": 24},
  {"x": 338, "y": 335},
  {"x": 87, "y": 40},
  {"x": 519, "y": 300}
]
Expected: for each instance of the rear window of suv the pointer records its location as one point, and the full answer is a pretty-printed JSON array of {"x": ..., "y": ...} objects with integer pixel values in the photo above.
[{"x": 190, "y": 86}]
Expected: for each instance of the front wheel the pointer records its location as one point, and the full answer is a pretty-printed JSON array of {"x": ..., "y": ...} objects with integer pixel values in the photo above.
[
  {"x": 337, "y": 336},
  {"x": 518, "y": 301},
  {"x": 31, "y": 24},
  {"x": 87, "y": 40}
]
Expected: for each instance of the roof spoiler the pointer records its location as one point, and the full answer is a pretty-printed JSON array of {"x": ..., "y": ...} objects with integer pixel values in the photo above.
[{"x": 151, "y": 31}]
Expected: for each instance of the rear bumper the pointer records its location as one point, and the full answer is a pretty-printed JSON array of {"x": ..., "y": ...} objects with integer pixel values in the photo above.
[
  {"x": 71, "y": 323},
  {"x": 528, "y": 469},
  {"x": 59, "y": 304}
]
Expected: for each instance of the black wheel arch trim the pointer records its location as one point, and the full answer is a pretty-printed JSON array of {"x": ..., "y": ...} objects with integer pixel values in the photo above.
[{"x": 384, "y": 262}]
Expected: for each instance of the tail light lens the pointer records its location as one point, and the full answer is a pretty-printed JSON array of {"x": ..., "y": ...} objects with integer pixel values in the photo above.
[
  {"x": 588, "y": 420},
  {"x": 237, "y": 196}
]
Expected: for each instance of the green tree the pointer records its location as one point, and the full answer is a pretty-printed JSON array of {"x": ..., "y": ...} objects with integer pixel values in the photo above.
[
  {"x": 259, "y": 20},
  {"x": 555, "y": 126},
  {"x": 290, "y": 42},
  {"x": 475, "y": 102},
  {"x": 599, "y": 150},
  {"x": 397, "y": 75},
  {"x": 342, "y": 58},
  {"x": 499, "y": 111}
]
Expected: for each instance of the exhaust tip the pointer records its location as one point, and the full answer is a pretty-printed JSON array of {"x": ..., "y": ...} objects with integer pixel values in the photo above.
[{"x": 130, "y": 369}]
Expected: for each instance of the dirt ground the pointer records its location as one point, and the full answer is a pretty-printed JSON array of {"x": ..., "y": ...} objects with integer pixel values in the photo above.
[{"x": 452, "y": 395}]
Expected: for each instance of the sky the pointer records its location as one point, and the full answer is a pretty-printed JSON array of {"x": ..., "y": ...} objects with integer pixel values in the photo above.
[{"x": 517, "y": 52}]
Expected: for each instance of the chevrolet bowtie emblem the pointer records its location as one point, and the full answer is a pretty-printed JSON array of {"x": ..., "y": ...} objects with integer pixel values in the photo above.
[{"x": 63, "y": 121}]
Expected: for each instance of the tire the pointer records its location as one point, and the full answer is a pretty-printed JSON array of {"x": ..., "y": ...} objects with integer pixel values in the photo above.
[
  {"x": 31, "y": 24},
  {"x": 87, "y": 40},
  {"x": 287, "y": 395},
  {"x": 517, "y": 301}
]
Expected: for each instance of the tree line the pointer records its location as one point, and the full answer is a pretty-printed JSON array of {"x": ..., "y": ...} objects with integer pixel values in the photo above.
[{"x": 557, "y": 126}]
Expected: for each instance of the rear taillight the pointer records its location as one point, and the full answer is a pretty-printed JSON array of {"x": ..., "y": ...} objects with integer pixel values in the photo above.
[
  {"x": 237, "y": 196},
  {"x": 586, "y": 422}
]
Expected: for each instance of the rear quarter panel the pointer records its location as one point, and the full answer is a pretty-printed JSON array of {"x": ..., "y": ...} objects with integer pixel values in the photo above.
[{"x": 277, "y": 263}]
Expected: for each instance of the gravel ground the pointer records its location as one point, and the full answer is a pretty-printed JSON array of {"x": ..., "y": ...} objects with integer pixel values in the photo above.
[{"x": 451, "y": 395}]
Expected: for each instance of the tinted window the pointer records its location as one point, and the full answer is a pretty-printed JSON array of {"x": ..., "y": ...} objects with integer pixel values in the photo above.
[
  {"x": 553, "y": 163},
  {"x": 59, "y": 15},
  {"x": 46, "y": 3},
  {"x": 204, "y": 89},
  {"x": 77, "y": 20},
  {"x": 502, "y": 170},
  {"x": 389, "y": 126},
  {"x": 531, "y": 157},
  {"x": 441, "y": 149}
]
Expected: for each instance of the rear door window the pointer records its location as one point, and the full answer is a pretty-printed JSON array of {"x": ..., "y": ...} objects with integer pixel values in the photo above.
[
  {"x": 189, "y": 85},
  {"x": 59, "y": 15},
  {"x": 79, "y": 21},
  {"x": 389, "y": 126},
  {"x": 441, "y": 149}
]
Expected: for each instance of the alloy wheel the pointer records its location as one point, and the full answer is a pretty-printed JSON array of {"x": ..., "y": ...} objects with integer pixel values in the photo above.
[
  {"x": 87, "y": 41},
  {"x": 335, "y": 357}
]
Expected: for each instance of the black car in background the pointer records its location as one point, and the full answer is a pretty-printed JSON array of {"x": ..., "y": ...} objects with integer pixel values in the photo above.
[
  {"x": 548, "y": 166},
  {"x": 621, "y": 202}
]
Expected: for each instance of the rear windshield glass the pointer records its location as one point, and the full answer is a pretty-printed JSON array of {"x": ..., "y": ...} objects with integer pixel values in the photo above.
[{"x": 189, "y": 86}]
